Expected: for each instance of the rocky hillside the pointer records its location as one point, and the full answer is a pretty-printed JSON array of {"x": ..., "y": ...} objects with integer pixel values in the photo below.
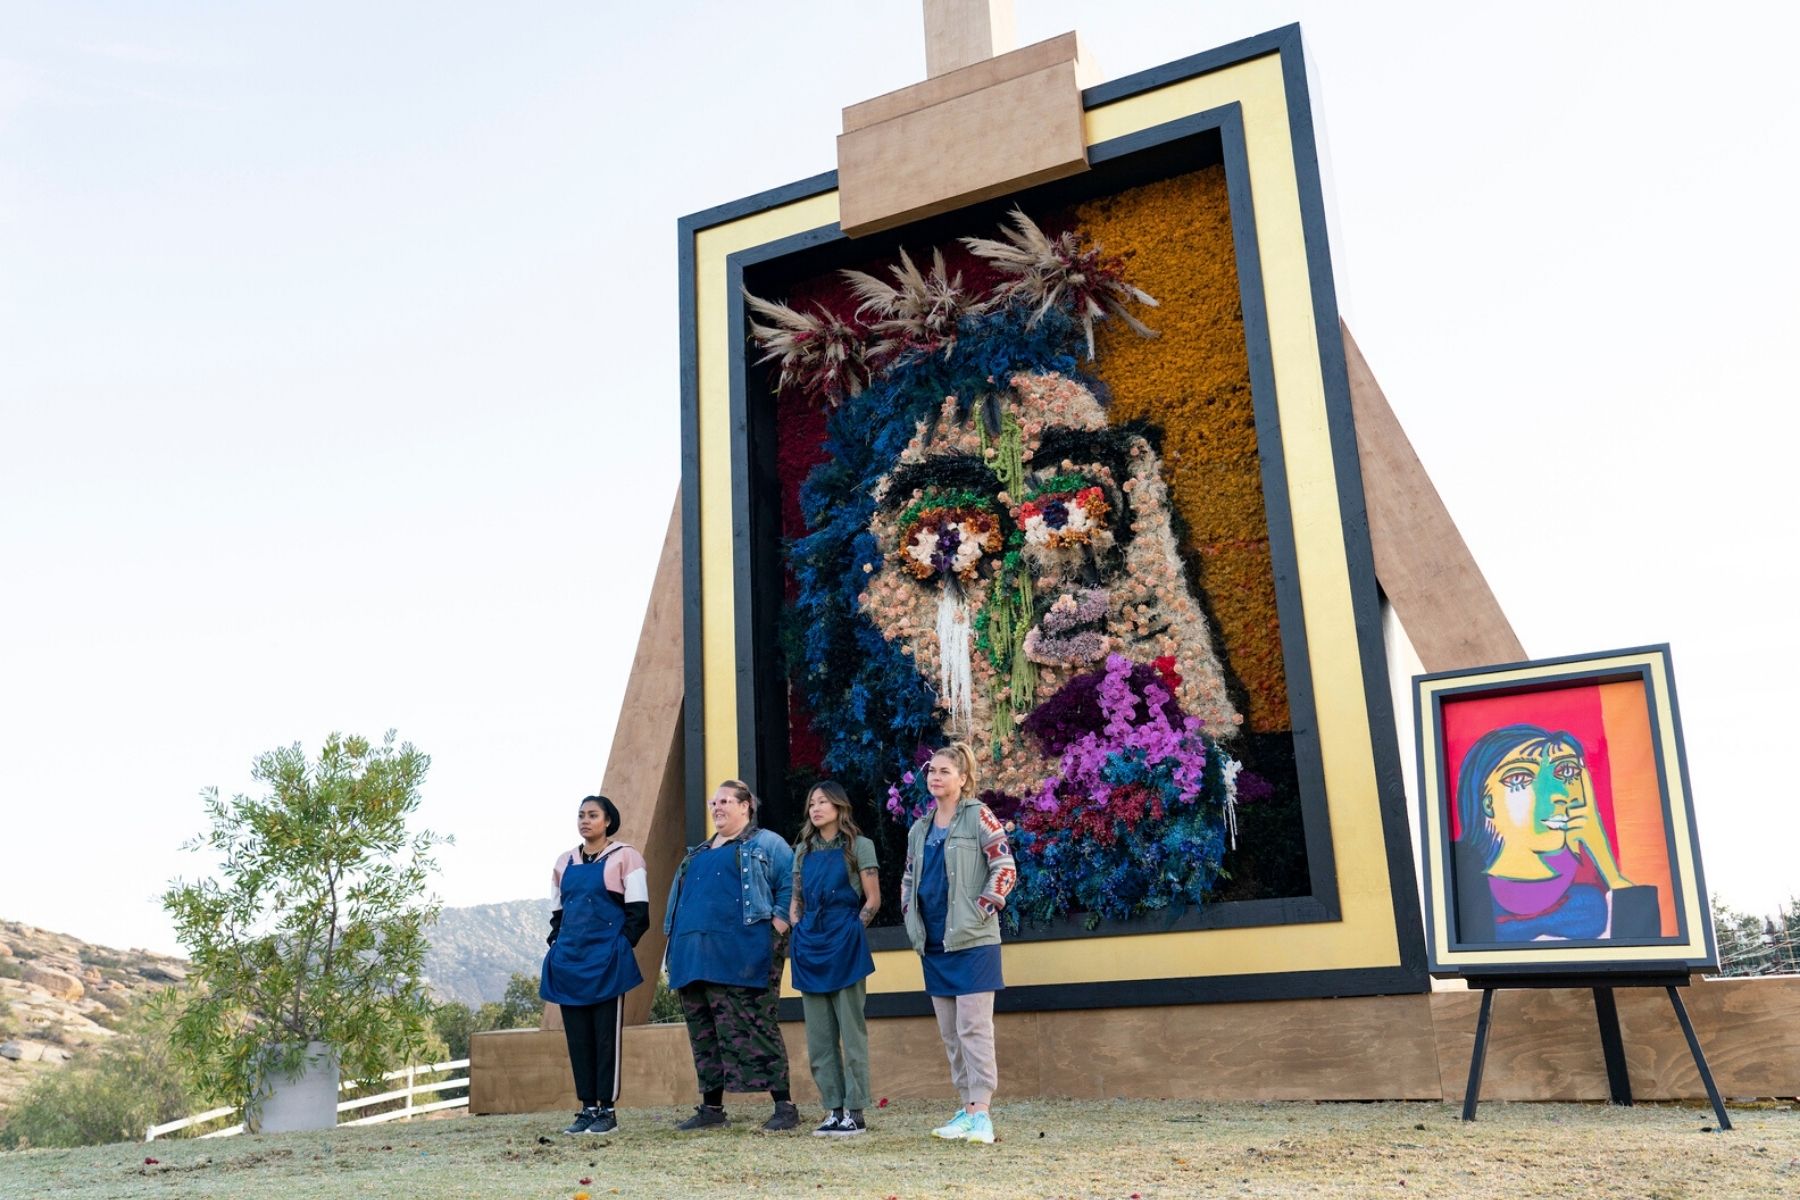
[
  {"x": 58, "y": 994},
  {"x": 475, "y": 950}
]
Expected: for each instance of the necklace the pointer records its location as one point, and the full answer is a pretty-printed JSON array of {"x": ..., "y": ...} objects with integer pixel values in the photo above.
[{"x": 594, "y": 857}]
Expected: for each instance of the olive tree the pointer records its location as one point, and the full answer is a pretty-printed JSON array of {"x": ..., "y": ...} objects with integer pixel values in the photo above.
[{"x": 313, "y": 927}]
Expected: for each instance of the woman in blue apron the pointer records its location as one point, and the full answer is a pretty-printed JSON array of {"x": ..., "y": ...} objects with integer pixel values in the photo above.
[
  {"x": 837, "y": 892},
  {"x": 727, "y": 921},
  {"x": 602, "y": 909}
]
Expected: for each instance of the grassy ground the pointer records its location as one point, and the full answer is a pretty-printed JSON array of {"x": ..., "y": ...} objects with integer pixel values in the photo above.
[{"x": 1149, "y": 1150}]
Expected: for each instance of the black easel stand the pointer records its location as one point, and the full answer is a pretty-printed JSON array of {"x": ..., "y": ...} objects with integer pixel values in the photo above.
[{"x": 1612, "y": 1045}]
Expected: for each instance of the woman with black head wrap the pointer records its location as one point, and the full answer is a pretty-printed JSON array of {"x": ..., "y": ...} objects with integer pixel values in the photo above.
[{"x": 602, "y": 909}]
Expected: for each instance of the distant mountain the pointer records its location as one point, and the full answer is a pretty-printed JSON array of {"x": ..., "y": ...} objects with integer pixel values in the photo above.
[{"x": 475, "y": 950}]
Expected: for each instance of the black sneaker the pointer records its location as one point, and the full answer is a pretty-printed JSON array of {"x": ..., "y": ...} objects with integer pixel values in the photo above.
[
  {"x": 605, "y": 1121},
  {"x": 706, "y": 1116},
  {"x": 849, "y": 1125},
  {"x": 786, "y": 1116},
  {"x": 584, "y": 1120},
  {"x": 830, "y": 1125}
]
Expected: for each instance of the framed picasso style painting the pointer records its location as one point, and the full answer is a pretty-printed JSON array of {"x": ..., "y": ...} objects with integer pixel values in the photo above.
[
  {"x": 1068, "y": 475},
  {"x": 1557, "y": 821}
]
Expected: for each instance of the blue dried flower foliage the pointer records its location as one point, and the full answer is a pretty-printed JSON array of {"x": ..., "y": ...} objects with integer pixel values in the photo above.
[{"x": 870, "y": 706}]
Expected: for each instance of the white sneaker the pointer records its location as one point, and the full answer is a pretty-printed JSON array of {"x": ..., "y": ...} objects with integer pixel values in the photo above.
[
  {"x": 956, "y": 1129},
  {"x": 981, "y": 1129}
]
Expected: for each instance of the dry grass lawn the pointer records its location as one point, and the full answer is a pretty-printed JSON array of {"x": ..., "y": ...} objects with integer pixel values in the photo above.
[{"x": 1149, "y": 1150}]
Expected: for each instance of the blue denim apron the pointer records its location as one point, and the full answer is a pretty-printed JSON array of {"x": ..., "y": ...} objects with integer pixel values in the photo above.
[
  {"x": 708, "y": 939},
  {"x": 829, "y": 950},
  {"x": 591, "y": 961},
  {"x": 949, "y": 972}
]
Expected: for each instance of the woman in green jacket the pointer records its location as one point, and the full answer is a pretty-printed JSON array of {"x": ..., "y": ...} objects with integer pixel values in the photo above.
[{"x": 959, "y": 869}]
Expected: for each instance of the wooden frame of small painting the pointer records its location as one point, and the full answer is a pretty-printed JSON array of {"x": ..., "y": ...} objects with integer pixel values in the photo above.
[{"x": 1557, "y": 822}]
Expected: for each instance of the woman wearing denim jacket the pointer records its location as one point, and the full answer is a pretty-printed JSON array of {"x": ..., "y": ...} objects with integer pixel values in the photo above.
[
  {"x": 727, "y": 927},
  {"x": 959, "y": 869}
]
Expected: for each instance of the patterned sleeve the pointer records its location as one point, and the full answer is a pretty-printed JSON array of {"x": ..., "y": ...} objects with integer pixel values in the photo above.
[
  {"x": 1002, "y": 871},
  {"x": 906, "y": 880}
]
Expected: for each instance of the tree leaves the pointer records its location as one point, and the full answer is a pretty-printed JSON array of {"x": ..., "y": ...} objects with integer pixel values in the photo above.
[{"x": 313, "y": 927}]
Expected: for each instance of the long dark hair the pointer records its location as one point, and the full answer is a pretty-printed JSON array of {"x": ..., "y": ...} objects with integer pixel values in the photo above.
[{"x": 848, "y": 831}]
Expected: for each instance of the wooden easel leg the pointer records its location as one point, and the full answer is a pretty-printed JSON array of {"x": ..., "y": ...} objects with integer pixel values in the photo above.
[
  {"x": 1712, "y": 1089},
  {"x": 1472, "y": 1094},
  {"x": 1612, "y": 1046}
]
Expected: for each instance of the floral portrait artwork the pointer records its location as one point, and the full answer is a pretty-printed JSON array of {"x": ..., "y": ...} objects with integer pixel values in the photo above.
[{"x": 989, "y": 540}]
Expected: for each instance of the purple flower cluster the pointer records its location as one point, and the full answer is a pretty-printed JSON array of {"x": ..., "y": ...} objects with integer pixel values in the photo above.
[
  {"x": 1162, "y": 742},
  {"x": 1076, "y": 710},
  {"x": 943, "y": 559},
  {"x": 1072, "y": 611},
  {"x": 909, "y": 799},
  {"x": 1136, "y": 818}
]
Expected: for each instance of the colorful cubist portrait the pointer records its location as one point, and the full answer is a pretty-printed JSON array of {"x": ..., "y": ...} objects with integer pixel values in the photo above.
[
  {"x": 1021, "y": 506},
  {"x": 1560, "y": 814}
]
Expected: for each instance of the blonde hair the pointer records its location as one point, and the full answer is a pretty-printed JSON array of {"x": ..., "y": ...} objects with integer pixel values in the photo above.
[{"x": 964, "y": 757}]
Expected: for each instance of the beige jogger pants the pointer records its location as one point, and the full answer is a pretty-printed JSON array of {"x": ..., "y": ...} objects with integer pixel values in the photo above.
[{"x": 966, "y": 1023}]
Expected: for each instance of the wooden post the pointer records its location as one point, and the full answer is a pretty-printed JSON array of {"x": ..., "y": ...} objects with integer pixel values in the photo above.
[
  {"x": 988, "y": 121},
  {"x": 959, "y": 33}
]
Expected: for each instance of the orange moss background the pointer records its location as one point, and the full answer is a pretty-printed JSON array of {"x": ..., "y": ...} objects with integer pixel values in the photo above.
[{"x": 1194, "y": 382}]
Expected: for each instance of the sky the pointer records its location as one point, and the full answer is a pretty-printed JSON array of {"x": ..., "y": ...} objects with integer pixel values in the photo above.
[{"x": 338, "y": 372}]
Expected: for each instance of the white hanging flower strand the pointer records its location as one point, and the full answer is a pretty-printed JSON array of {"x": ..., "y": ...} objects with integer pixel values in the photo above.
[
  {"x": 1230, "y": 771},
  {"x": 956, "y": 670}
]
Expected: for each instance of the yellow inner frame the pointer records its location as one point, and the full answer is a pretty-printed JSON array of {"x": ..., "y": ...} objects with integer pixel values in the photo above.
[
  {"x": 1366, "y": 936},
  {"x": 1680, "y": 820}
]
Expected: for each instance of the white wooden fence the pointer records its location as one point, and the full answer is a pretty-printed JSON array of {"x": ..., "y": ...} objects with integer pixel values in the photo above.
[{"x": 408, "y": 1093}]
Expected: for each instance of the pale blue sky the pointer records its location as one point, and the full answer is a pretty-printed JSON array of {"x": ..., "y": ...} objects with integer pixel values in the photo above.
[{"x": 338, "y": 371}]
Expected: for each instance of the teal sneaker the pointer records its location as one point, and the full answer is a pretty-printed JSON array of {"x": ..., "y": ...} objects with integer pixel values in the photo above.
[
  {"x": 981, "y": 1129},
  {"x": 956, "y": 1129}
]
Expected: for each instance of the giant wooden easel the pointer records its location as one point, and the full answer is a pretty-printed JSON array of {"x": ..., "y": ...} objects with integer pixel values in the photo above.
[
  {"x": 989, "y": 120},
  {"x": 893, "y": 168}
]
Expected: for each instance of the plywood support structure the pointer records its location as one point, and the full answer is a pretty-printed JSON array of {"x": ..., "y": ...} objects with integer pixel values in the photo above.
[
  {"x": 1545, "y": 1046},
  {"x": 993, "y": 127},
  {"x": 644, "y": 768},
  {"x": 960, "y": 33},
  {"x": 1424, "y": 566}
]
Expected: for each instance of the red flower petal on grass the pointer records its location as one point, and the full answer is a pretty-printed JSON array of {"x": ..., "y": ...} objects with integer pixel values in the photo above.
[
  {"x": 882, "y": 1103},
  {"x": 584, "y": 1181},
  {"x": 150, "y": 1162}
]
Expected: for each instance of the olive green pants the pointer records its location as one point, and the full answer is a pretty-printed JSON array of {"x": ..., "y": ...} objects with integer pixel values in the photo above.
[{"x": 831, "y": 1018}]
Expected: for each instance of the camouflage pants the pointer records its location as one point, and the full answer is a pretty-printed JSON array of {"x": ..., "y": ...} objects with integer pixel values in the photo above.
[{"x": 735, "y": 1033}]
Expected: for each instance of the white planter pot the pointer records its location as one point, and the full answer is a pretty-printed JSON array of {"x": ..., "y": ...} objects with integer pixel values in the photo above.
[{"x": 308, "y": 1100}]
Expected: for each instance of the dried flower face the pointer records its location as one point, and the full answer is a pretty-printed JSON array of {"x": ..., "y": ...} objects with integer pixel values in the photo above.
[{"x": 1091, "y": 530}]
